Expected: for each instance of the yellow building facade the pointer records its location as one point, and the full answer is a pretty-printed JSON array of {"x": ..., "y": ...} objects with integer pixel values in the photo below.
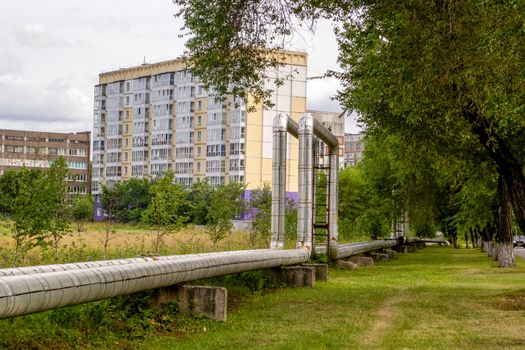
[{"x": 155, "y": 117}]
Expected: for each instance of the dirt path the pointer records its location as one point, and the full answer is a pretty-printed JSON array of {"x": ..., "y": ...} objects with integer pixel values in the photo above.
[{"x": 384, "y": 318}]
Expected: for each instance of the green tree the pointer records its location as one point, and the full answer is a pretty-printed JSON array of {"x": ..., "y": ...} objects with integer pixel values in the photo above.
[
  {"x": 361, "y": 209},
  {"x": 37, "y": 206},
  {"x": 259, "y": 208},
  {"x": 9, "y": 188},
  {"x": 163, "y": 210},
  {"x": 445, "y": 73},
  {"x": 439, "y": 72},
  {"x": 54, "y": 193},
  {"x": 133, "y": 196},
  {"x": 109, "y": 197},
  {"x": 27, "y": 212},
  {"x": 82, "y": 210},
  {"x": 198, "y": 202},
  {"x": 225, "y": 204}
]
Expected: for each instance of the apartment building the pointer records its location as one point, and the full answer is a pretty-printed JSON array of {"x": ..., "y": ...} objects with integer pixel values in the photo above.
[
  {"x": 335, "y": 122},
  {"x": 36, "y": 149},
  {"x": 155, "y": 117},
  {"x": 354, "y": 148}
]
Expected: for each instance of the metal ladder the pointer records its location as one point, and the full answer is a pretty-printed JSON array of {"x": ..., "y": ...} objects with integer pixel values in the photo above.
[{"x": 320, "y": 198}]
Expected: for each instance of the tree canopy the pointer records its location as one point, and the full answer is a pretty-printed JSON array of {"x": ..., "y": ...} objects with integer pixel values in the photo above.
[{"x": 447, "y": 77}]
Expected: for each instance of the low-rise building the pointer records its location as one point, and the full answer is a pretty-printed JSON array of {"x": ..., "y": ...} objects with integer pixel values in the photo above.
[
  {"x": 37, "y": 149},
  {"x": 335, "y": 122},
  {"x": 354, "y": 148}
]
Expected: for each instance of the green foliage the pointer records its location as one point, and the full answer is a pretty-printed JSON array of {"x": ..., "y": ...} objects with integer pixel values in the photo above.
[
  {"x": 440, "y": 77},
  {"x": 126, "y": 200},
  {"x": 225, "y": 204},
  {"x": 109, "y": 198},
  {"x": 163, "y": 210},
  {"x": 290, "y": 221},
  {"x": 37, "y": 206},
  {"x": 198, "y": 202},
  {"x": 55, "y": 191},
  {"x": 443, "y": 79},
  {"x": 255, "y": 281},
  {"x": 10, "y": 187},
  {"x": 134, "y": 195},
  {"x": 259, "y": 209},
  {"x": 227, "y": 44},
  {"x": 82, "y": 210},
  {"x": 120, "y": 323},
  {"x": 26, "y": 210},
  {"x": 363, "y": 211}
]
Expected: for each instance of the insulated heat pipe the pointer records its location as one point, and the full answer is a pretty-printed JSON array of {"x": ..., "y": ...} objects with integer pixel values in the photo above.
[{"x": 25, "y": 294}]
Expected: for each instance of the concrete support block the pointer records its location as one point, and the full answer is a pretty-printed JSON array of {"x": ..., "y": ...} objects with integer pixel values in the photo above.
[
  {"x": 321, "y": 271},
  {"x": 296, "y": 276},
  {"x": 379, "y": 256},
  {"x": 407, "y": 249},
  {"x": 205, "y": 301},
  {"x": 346, "y": 265},
  {"x": 391, "y": 253},
  {"x": 412, "y": 249},
  {"x": 361, "y": 260}
]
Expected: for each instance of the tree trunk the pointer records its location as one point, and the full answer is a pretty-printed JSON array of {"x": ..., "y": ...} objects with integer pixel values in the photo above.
[
  {"x": 466, "y": 240},
  {"x": 504, "y": 226},
  {"x": 506, "y": 255},
  {"x": 507, "y": 164},
  {"x": 472, "y": 240},
  {"x": 455, "y": 241},
  {"x": 494, "y": 250}
]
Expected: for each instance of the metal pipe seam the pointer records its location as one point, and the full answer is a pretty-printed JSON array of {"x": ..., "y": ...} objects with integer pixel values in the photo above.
[
  {"x": 25, "y": 294},
  {"x": 28, "y": 270},
  {"x": 347, "y": 250}
]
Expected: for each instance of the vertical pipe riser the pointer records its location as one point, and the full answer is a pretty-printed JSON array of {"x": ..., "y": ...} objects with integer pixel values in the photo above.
[
  {"x": 305, "y": 213},
  {"x": 282, "y": 125},
  {"x": 333, "y": 203},
  {"x": 276, "y": 171},
  {"x": 282, "y": 191}
]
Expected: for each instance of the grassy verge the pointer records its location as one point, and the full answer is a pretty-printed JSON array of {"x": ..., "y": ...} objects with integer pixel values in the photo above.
[{"x": 438, "y": 298}]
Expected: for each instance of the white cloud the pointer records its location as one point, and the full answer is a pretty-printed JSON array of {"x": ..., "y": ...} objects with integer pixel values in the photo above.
[
  {"x": 9, "y": 64},
  {"x": 52, "y": 52},
  {"x": 320, "y": 94},
  {"x": 27, "y": 101},
  {"x": 35, "y": 36}
]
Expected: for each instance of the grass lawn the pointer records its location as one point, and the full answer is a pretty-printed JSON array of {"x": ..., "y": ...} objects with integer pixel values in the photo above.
[{"x": 437, "y": 298}]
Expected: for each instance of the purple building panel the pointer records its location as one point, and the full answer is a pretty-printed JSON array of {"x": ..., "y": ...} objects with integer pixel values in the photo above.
[
  {"x": 291, "y": 197},
  {"x": 99, "y": 210}
]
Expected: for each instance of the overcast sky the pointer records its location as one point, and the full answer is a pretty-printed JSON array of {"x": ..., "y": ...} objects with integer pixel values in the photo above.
[{"x": 52, "y": 51}]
